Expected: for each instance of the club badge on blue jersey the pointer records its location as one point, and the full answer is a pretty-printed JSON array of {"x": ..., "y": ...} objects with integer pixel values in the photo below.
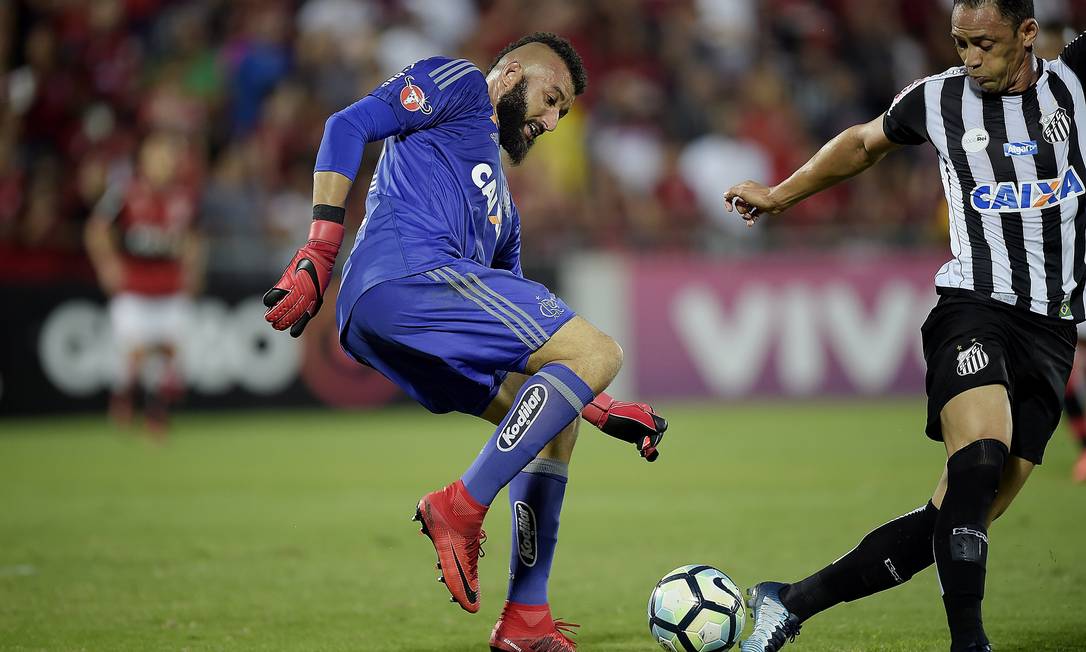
[{"x": 413, "y": 99}]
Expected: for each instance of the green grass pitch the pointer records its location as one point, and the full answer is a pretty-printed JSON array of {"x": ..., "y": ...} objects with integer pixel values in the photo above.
[{"x": 291, "y": 531}]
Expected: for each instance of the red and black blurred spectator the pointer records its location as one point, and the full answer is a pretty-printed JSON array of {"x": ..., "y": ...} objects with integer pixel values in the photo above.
[{"x": 683, "y": 95}]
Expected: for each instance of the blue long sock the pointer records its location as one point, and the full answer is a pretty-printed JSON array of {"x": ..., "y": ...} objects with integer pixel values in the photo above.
[
  {"x": 548, "y": 402},
  {"x": 535, "y": 497}
]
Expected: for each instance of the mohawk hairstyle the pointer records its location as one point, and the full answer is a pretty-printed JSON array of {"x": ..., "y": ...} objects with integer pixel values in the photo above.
[
  {"x": 1016, "y": 11},
  {"x": 562, "y": 47}
]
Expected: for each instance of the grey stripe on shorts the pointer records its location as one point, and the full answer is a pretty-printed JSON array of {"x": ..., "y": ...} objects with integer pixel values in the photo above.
[
  {"x": 503, "y": 305},
  {"x": 441, "y": 274}
]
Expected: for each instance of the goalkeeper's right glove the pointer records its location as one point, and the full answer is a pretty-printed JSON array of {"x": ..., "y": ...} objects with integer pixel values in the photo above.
[{"x": 636, "y": 423}]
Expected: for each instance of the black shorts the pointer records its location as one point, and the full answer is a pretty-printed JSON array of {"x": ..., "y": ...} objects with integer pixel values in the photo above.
[{"x": 970, "y": 342}]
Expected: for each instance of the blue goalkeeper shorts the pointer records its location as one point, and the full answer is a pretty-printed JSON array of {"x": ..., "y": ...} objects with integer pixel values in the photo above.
[{"x": 449, "y": 336}]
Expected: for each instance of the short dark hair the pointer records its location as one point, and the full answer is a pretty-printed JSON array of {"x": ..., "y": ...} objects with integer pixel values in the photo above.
[
  {"x": 562, "y": 47},
  {"x": 1017, "y": 11}
]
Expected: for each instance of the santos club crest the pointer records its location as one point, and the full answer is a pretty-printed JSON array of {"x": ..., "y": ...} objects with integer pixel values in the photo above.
[
  {"x": 1056, "y": 126},
  {"x": 972, "y": 360},
  {"x": 413, "y": 99}
]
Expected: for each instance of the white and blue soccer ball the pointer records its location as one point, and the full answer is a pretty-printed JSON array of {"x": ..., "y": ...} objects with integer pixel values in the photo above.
[{"x": 696, "y": 608}]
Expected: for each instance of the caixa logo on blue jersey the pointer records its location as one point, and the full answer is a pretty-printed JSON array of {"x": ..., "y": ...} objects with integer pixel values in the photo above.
[
  {"x": 525, "y": 413},
  {"x": 1028, "y": 195},
  {"x": 482, "y": 175}
]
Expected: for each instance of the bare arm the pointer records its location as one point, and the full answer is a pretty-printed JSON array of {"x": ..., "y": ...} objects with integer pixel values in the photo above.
[
  {"x": 193, "y": 262},
  {"x": 330, "y": 188},
  {"x": 98, "y": 238},
  {"x": 848, "y": 154}
]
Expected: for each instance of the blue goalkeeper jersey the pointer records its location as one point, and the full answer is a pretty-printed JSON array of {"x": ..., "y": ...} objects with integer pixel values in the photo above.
[{"x": 439, "y": 194}]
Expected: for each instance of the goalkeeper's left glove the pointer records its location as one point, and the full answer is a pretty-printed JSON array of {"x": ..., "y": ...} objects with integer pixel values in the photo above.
[{"x": 636, "y": 423}]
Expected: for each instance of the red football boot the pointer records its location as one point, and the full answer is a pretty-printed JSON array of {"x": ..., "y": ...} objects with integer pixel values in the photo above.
[
  {"x": 529, "y": 628},
  {"x": 454, "y": 522}
]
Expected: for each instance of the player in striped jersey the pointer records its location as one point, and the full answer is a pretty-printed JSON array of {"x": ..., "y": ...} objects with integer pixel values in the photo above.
[
  {"x": 1010, "y": 131},
  {"x": 433, "y": 297}
]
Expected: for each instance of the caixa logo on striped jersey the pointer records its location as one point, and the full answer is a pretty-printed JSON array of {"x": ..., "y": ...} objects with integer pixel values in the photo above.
[
  {"x": 525, "y": 413},
  {"x": 527, "y": 543},
  {"x": 1028, "y": 195}
]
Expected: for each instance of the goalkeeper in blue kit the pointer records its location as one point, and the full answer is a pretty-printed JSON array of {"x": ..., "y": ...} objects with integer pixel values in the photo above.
[{"x": 433, "y": 297}]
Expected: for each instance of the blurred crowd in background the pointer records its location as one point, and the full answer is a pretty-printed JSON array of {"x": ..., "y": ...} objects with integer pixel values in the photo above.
[{"x": 685, "y": 98}]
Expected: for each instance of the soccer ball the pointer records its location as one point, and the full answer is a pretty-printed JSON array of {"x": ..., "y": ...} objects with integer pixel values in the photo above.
[{"x": 696, "y": 609}]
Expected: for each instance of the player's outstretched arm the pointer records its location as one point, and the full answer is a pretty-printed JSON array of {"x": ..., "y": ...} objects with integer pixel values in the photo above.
[
  {"x": 298, "y": 295},
  {"x": 194, "y": 262},
  {"x": 850, "y": 153},
  {"x": 102, "y": 251},
  {"x": 636, "y": 423},
  {"x": 100, "y": 240}
]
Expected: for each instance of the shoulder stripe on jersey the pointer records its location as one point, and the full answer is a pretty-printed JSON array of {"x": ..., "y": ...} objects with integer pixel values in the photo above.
[
  {"x": 452, "y": 70},
  {"x": 1074, "y": 50},
  {"x": 980, "y": 259},
  {"x": 960, "y": 70},
  {"x": 1010, "y": 223},
  {"x": 442, "y": 80},
  {"x": 458, "y": 75},
  {"x": 1063, "y": 97},
  {"x": 445, "y": 66}
]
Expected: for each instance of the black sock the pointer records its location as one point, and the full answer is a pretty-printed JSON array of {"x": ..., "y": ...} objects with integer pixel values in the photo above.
[
  {"x": 961, "y": 536},
  {"x": 889, "y": 555}
]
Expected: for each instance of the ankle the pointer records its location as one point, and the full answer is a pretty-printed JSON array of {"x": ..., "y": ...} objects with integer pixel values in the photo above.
[
  {"x": 807, "y": 598},
  {"x": 464, "y": 504},
  {"x": 965, "y": 622},
  {"x": 520, "y": 606},
  {"x": 459, "y": 491},
  {"x": 533, "y": 617}
]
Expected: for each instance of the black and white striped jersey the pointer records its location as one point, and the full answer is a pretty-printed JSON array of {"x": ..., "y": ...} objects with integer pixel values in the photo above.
[{"x": 1015, "y": 181}]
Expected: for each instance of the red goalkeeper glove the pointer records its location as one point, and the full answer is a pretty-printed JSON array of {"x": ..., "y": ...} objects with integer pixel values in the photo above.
[
  {"x": 636, "y": 423},
  {"x": 298, "y": 295}
]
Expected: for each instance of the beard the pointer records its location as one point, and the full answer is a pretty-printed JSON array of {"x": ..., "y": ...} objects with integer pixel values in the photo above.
[{"x": 511, "y": 110}]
